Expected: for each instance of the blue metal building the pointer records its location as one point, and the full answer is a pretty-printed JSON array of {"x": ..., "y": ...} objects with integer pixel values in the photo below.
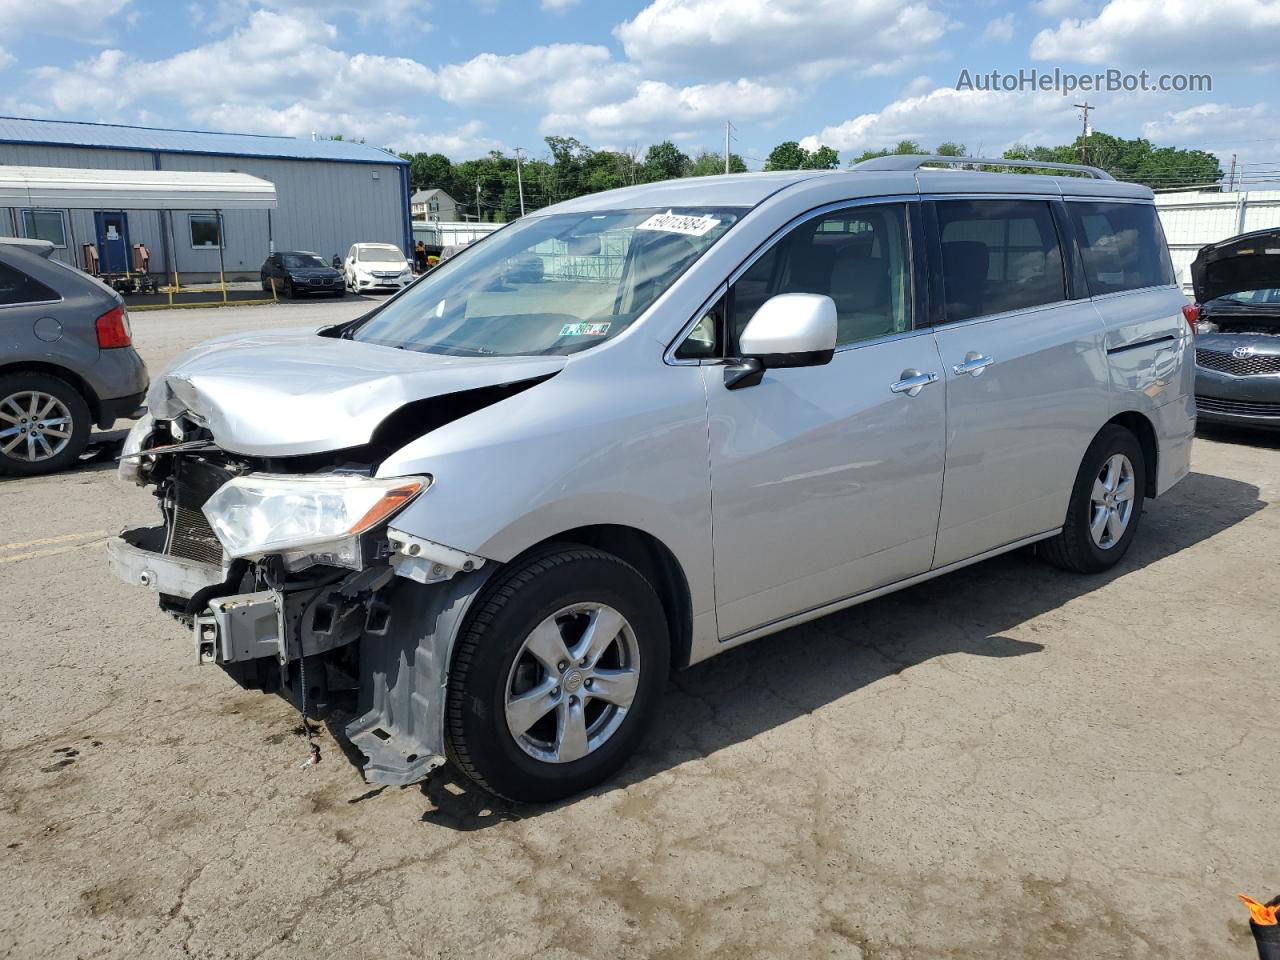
[{"x": 331, "y": 193}]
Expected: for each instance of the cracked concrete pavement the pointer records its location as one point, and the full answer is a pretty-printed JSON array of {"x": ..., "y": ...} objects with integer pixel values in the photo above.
[{"x": 1009, "y": 761}]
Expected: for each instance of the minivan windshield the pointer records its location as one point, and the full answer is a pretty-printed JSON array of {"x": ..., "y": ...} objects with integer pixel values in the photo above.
[
  {"x": 549, "y": 285},
  {"x": 379, "y": 254}
]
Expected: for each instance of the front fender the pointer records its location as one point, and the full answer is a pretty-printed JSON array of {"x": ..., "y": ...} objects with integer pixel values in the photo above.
[{"x": 619, "y": 442}]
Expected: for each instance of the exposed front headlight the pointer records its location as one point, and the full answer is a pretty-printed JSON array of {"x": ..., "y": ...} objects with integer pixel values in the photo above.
[
  {"x": 306, "y": 518},
  {"x": 130, "y": 468}
]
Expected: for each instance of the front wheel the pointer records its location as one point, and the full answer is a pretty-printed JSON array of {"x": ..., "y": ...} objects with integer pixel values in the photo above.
[
  {"x": 1106, "y": 505},
  {"x": 557, "y": 674}
]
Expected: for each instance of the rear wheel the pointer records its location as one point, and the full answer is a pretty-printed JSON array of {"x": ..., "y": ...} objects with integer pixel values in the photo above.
[
  {"x": 1106, "y": 505},
  {"x": 557, "y": 674},
  {"x": 44, "y": 424}
]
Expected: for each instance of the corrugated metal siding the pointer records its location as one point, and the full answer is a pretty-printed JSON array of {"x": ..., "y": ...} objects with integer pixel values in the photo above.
[
  {"x": 1192, "y": 220},
  {"x": 323, "y": 206},
  {"x": 148, "y": 139}
]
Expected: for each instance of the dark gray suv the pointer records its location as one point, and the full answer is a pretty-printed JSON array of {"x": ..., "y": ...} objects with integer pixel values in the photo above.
[{"x": 66, "y": 359}]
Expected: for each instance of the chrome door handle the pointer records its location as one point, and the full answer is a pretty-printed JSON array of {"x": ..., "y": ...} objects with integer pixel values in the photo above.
[
  {"x": 974, "y": 363},
  {"x": 912, "y": 382}
]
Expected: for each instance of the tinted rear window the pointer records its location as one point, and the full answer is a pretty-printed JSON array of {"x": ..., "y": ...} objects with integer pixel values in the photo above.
[
  {"x": 998, "y": 255},
  {"x": 1122, "y": 245},
  {"x": 17, "y": 287}
]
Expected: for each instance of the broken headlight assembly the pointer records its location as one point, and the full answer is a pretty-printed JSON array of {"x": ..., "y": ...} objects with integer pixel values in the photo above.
[
  {"x": 130, "y": 468},
  {"x": 306, "y": 519}
]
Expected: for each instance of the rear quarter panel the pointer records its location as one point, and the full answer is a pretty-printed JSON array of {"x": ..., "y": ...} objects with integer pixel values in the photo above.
[{"x": 1150, "y": 353}]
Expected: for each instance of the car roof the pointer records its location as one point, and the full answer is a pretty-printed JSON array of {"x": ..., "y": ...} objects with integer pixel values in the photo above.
[
  {"x": 724, "y": 190},
  {"x": 752, "y": 189},
  {"x": 41, "y": 248},
  {"x": 382, "y": 246}
]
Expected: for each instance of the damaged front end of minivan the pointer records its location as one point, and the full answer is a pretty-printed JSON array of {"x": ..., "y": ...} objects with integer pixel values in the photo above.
[{"x": 287, "y": 566}]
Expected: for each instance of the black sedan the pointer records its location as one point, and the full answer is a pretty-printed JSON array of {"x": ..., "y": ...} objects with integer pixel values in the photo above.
[
  {"x": 297, "y": 272},
  {"x": 1237, "y": 319}
]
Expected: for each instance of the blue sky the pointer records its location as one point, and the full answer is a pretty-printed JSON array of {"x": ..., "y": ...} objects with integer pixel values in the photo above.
[{"x": 472, "y": 75}]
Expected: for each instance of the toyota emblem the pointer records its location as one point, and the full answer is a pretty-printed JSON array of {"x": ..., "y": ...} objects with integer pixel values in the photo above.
[{"x": 1242, "y": 353}]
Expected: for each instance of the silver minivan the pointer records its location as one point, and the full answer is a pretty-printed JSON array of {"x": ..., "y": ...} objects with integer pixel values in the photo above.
[{"x": 635, "y": 429}]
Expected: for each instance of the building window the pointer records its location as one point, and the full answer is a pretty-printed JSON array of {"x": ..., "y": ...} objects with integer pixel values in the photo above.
[
  {"x": 206, "y": 230},
  {"x": 45, "y": 225}
]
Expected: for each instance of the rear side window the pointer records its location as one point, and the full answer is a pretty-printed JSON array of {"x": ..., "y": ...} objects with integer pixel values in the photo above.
[
  {"x": 17, "y": 287},
  {"x": 997, "y": 256},
  {"x": 1122, "y": 246}
]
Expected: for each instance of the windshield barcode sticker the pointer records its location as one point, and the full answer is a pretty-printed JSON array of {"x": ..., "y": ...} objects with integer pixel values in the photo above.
[
  {"x": 678, "y": 223},
  {"x": 584, "y": 329}
]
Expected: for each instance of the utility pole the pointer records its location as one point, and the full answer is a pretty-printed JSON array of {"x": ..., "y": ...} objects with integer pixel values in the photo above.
[
  {"x": 519, "y": 180},
  {"x": 1231, "y": 184},
  {"x": 1084, "y": 131},
  {"x": 477, "y": 199},
  {"x": 727, "y": 128}
]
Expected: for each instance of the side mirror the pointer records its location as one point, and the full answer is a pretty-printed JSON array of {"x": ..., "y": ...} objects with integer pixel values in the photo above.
[{"x": 789, "y": 330}]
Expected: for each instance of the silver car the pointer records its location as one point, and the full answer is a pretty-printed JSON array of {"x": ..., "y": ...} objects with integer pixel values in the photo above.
[
  {"x": 66, "y": 359},
  {"x": 635, "y": 429}
]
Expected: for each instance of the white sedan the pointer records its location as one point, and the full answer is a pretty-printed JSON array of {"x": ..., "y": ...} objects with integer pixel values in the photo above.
[{"x": 376, "y": 266}]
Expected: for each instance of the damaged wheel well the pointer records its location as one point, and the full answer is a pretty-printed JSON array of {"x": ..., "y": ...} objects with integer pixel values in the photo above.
[{"x": 657, "y": 564}]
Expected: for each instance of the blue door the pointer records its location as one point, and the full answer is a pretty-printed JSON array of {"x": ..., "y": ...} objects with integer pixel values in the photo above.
[{"x": 113, "y": 241}]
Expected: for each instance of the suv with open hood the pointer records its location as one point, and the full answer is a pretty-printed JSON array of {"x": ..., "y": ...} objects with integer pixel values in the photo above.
[
  {"x": 1237, "y": 314},
  {"x": 632, "y": 430}
]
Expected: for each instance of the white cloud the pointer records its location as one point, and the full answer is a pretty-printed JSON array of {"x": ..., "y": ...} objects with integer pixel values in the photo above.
[
  {"x": 561, "y": 74},
  {"x": 986, "y": 121},
  {"x": 658, "y": 110},
  {"x": 6, "y": 58},
  {"x": 1000, "y": 29},
  {"x": 1221, "y": 129},
  {"x": 1061, "y": 8},
  {"x": 717, "y": 39},
  {"x": 93, "y": 21},
  {"x": 461, "y": 143},
  {"x": 220, "y": 15},
  {"x": 1186, "y": 32},
  {"x": 558, "y": 6},
  {"x": 276, "y": 74},
  {"x": 917, "y": 86}
]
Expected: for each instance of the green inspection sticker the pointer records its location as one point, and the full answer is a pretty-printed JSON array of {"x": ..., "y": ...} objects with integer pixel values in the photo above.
[{"x": 584, "y": 329}]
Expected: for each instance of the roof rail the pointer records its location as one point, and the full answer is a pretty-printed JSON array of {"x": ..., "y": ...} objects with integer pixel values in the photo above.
[{"x": 914, "y": 161}]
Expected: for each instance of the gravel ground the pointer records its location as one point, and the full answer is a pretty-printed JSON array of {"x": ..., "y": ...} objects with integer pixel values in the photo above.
[{"x": 1006, "y": 762}]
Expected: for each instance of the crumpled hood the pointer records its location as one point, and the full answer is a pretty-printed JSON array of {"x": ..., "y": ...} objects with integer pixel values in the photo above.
[{"x": 292, "y": 392}]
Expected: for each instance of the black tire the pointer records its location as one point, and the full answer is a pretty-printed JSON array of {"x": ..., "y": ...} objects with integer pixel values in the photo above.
[
  {"x": 288, "y": 290},
  {"x": 1074, "y": 548},
  {"x": 69, "y": 396},
  {"x": 478, "y": 739}
]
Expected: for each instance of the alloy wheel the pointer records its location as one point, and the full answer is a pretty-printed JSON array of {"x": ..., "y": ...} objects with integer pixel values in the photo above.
[
  {"x": 34, "y": 426},
  {"x": 1111, "y": 501},
  {"x": 572, "y": 683}
]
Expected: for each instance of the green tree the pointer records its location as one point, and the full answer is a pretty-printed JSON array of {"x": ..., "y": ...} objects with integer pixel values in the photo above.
[
  {"x": 429, "y": 170},
  {"x": 903, "y": 148},
  {"x": 708, "y": 164},
  {"x": 791, "y": 156},
  {"x": 665, "y": 161},
  {"x": 950, "y": 149},
  {"x": 787, "y": 156},
  {"x": 824, "y": 158},
  {"x": 1138, "y": 161}
]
